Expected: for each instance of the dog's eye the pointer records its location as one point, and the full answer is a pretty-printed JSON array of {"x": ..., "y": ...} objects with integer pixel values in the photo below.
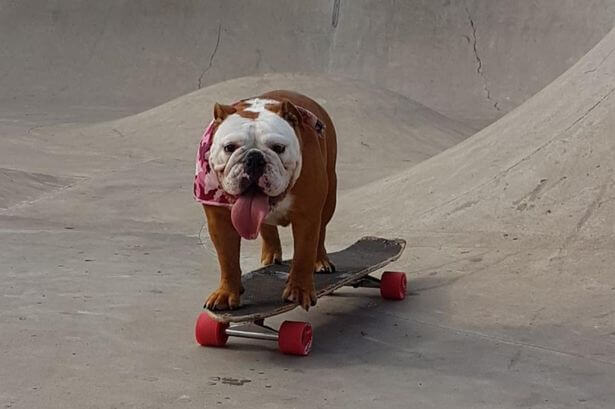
[
  {"x": 230, "y": 148},
  {"x": 277, "y": 148}
]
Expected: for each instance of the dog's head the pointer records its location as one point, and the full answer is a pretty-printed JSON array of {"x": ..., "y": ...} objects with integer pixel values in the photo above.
[
  {"x": 256, "y": 147},
  {"x": 256, "y": 155}
]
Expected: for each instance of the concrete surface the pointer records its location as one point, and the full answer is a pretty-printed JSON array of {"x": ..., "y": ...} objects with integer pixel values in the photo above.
[{"x": 510, "y": 229}]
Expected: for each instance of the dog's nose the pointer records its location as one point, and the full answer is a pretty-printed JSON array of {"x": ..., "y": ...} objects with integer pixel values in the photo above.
[{"x": 255, "y": 164}]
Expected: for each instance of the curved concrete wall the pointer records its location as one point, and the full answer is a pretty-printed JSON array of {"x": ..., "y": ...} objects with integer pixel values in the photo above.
[{"x": 472, "y": 60}]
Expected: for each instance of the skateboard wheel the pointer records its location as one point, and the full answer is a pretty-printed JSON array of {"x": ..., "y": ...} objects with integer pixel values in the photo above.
[
  {"x": 209, "y": 332},
  {"x": 393, "y": 285},
  {"x": 295, "y": 338}
]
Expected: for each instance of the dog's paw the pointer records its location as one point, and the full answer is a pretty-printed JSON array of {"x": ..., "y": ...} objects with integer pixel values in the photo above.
[
  {"x": 302, "y": 294},
  {"x": 223, "y": 298},
  {"x": 273, "y": 257},
  {"x": 324, "y": 266}
]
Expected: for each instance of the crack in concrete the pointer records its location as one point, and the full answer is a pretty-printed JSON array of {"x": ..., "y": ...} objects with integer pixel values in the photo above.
[
  {"x": 479, "y": 63},
  {"x": 335, "y": 18},
  {"x": 336, "y": 13},
  {"x": 32, "y": 128},
  {"x": 118, "y": 133},
  {"x": 579, "y": 119},
  {"x": 589, "y": 211},
  {"x": 211, "y": 58},
  {"x": 591, "y": 208},
  {"x": 600, "y": 63}
]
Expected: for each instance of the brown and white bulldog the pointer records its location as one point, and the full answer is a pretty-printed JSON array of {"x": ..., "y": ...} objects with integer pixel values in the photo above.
[{"x": 263, "y": 162}]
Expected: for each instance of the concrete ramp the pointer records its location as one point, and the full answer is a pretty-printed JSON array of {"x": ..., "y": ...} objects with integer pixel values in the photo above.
[
  {"x": 480, "y": 131},
  {"x": 520, "y": 213}
]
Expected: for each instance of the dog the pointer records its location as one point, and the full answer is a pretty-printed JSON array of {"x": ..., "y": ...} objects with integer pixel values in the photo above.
[{"x": 263, "y": 162}]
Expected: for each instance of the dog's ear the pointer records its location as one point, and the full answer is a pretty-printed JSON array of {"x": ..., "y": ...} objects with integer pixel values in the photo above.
[
  {"x": 290, "y": 113},
  {"x": 222, "y": 111}
]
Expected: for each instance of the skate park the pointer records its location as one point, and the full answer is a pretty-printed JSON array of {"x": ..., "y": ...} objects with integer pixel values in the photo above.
[{"x": 478, "y": 131}]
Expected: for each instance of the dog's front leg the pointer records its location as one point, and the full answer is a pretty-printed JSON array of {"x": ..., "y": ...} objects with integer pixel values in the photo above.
[
  {"x": 227, "y": 242},
  {"x": 300, "y": 285}
]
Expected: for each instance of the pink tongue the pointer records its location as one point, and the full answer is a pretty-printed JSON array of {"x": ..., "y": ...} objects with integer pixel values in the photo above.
[{"x": 248, "y": 213}]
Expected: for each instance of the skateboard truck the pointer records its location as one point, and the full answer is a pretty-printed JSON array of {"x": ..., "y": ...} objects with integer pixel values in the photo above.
[
  {"x": 367, "y": 282},
  {"x": 392, "y": 284},
  {"x": 293, "y": 337}
]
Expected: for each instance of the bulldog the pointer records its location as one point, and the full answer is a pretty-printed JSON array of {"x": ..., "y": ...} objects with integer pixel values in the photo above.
[{"x": 264, "y": 162}]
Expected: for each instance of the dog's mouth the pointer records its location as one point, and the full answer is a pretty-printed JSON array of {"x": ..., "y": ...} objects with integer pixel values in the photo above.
[{"x": 249, "y": 211}]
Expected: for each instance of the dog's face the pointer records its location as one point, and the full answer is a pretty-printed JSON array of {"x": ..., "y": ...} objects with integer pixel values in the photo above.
[{"x": 256, "y": 147}]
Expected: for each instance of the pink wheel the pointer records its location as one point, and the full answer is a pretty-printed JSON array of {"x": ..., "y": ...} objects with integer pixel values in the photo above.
[
  {"x": 209, "y": 332},
  {"x": 295, "y": 338},
  {"x": 393, "y": 285}
]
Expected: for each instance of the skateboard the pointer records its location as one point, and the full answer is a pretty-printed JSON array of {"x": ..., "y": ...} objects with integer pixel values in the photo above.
[{"x": 262, "y": 297}]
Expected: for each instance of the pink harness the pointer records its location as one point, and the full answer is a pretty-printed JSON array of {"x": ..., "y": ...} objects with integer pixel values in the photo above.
[{"x": 207, "y": 189}]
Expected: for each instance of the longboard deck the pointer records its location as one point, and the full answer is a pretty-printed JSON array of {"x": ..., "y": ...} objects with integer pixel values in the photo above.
[{"x": 263, "y": 287}]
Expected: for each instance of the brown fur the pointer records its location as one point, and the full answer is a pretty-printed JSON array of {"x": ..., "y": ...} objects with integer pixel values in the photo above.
[{"x": 241, "y": 110}]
